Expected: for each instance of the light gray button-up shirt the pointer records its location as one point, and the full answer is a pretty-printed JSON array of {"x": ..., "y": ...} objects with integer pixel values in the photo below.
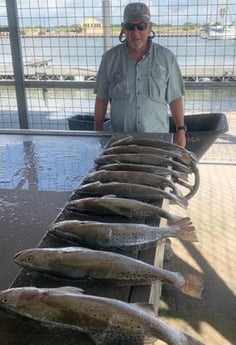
[{"x": 139, "y": 92}]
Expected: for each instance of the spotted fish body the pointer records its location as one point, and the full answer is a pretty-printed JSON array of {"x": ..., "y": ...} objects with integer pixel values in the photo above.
[
  {"x": 105, "y": 320},
  {"x": 144, "y": 178},
  {"x": 137, "y": 211},
  {"x": 154, "y": 142},
  {"x": 79, "y": 262},
  {"x": 114, "y": 235},
  {"x": 130, "y": 190},
  {"x": 152, "y": 169},
  {"x": 141, "y": 158},
  {"x": 184, "y": 158}
]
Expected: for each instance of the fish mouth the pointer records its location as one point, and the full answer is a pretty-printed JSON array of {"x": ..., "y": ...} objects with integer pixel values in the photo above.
[{"x": 18, "y": 254}]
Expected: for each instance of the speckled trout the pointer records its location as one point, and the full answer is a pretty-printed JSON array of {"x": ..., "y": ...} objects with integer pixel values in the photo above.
[
  {"x": 178, "y": 177},
  {"x": 85, "y": 263},
  {"x": 130, "y": 190},
  {"x": 105, "y": 320},
  {"x": 139, "y": 177},
  {"x": 185, "y": 158},
  {"x": 142, "y": 158},
  {"x": 152, "y": 169},
  {"x": 94, "y": 234},
  {"x": 154, "y": 142},
  {"x": 137, "y": 211}
]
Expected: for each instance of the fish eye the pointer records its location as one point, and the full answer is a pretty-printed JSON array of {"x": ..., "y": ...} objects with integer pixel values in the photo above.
[
  {"x": 28, "y": 258},
  {"x": 4, "y": 300}
]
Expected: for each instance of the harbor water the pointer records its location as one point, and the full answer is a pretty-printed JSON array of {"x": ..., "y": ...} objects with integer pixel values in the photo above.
[{"x": 50, "y": 107}]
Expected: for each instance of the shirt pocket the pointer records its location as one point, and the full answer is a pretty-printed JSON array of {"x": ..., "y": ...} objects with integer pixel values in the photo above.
[
  {"x": 118, "y": 87},
  {"x": 157, "y": 84}
]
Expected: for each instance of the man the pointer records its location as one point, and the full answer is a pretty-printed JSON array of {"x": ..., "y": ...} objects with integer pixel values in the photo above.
[{"x": 140, "y": 79}]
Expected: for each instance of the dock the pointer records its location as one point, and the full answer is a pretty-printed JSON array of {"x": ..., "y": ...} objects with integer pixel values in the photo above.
[{"x": 43, "y": 71}]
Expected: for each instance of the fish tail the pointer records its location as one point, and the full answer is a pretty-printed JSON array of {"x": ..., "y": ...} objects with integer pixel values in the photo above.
[
  {"x": 181, "y": 201},
  {"x": 186, "y": 231},
  {"x": 174, "y": 219},
  {"x": 186, "y": 157},
  {"x": 192, "y": 286},
  {"x": 192, "y": 341}
]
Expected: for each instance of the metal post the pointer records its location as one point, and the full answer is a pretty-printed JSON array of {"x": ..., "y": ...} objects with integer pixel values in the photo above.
[
  {"x": 17, "y": 61},
  {"x": 107, "y": 24}
]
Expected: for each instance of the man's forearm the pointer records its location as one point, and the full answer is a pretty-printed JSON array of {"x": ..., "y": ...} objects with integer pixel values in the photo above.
[
  {"x": 177, "y": 111},
  {"x": 99, "y": 113}
]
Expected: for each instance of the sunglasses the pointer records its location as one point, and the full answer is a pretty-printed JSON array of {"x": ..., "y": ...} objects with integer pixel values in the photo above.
[{"x": 131, "y": 26}]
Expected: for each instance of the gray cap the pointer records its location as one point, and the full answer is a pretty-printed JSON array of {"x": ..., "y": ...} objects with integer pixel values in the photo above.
[{"x": 136, "y": 11}]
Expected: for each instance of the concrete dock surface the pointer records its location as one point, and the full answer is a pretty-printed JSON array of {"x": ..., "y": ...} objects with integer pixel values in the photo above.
[{"x": 212, "y": 319}]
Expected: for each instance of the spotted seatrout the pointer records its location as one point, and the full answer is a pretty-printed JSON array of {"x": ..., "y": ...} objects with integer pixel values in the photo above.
[
  {"x": 137, "y": 211},
  {"x": 142, "y": 158},
  {"x": 115, "y": 235},
  {"x": 105, "y": 320},
  {"x": 139, "y": 177},
  {"x": 130, "y": 190},
  {"x": 185, "y": 158},
  {"x": 154, "y": 142},
  {"x": 84, "y": 263}
]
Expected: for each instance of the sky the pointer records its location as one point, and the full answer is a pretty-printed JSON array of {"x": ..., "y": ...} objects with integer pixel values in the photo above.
[{"x": 68, "y": 12}]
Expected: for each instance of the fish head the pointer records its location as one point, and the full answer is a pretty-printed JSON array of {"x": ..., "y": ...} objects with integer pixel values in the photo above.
[
  {"x": 36, "y": 303},
  {"x": 35, "y": 258},
  {"x": 61, "y": 227},
  {"x": 18, "y": 299}
]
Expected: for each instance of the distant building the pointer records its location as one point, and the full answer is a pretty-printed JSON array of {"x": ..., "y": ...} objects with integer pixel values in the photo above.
[{"x": 92, "y": 27}]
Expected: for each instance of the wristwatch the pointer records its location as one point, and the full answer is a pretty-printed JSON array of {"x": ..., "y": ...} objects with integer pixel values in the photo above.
[{"x": 184, "y": 128}]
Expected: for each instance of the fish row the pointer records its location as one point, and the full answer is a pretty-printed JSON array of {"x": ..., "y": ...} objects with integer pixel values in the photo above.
[
  {"x": 154, "y": 156},
  {"x": 121, "y": 186},
  {"x": 118, "y": 205}
]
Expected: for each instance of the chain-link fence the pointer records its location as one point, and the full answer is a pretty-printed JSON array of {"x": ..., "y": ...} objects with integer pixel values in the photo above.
[{"x": 51, "y": 50}]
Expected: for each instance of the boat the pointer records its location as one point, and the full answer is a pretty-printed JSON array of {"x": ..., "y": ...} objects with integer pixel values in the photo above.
[
  {"x": 219, "y": 32},
  {"x": 225, "y": 31}
]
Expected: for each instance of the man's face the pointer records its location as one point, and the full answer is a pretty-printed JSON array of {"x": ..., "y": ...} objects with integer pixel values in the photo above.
[{"x": 137, "y": 34}]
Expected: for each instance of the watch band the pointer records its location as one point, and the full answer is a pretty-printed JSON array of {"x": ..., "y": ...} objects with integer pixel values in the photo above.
[{"x": 184, "y": 128}]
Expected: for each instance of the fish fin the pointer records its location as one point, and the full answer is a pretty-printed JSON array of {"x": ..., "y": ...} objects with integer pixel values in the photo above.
[
  {"x": 149, "y": 340},
  {"x": 127, "y": 249},
  {"x": 182, "y": 175},
  {"x": 183, "y": 223},
  {"x": 147, "y": 307},
  {"x": 193, "y": 285},
  {"x": 108, "y": 196},
  {"x": 181, "y": 201},
  {"x": 98, "y": 338},
  {"x": 186, "y": 231},
  {"x": 71, "y": 289}
]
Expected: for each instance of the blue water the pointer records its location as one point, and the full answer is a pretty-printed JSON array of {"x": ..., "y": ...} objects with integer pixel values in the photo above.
[
  {"x": 53, "y": 106},
  {"x": 87, "y": 52}
]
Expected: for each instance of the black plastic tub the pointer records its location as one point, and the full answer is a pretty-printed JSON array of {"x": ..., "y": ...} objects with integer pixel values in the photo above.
[
  {"x": 203, "y": 130},
  {"x": 85, "y": 122}
]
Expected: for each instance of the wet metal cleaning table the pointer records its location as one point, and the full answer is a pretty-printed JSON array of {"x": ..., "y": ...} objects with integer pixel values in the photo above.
[{"x": 38, "y": 174}]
